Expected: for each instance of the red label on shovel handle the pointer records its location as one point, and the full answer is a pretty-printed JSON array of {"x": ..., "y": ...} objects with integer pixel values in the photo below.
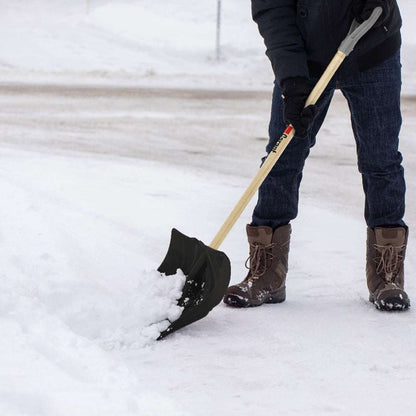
[
  {"x": 285, "y": 134},
  {"x": 288, "y": 130}
]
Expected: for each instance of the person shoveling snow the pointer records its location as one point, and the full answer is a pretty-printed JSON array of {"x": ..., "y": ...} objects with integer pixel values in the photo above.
[
  {"x": 297, "y": 61},
  {"x": 300, "y": 39}
]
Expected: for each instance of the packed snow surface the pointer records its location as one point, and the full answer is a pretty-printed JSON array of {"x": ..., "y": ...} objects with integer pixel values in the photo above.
[{"x": 84, "y": 226}]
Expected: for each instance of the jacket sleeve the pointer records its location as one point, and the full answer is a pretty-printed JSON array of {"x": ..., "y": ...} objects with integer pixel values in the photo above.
[{"x": 276, "y": 20}]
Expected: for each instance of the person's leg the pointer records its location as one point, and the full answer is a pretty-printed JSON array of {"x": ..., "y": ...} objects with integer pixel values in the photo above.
[
  {"x": 374, "y": 100},
  {"x": 278, "y": 196},
  {"x": 269, "y": 234}
]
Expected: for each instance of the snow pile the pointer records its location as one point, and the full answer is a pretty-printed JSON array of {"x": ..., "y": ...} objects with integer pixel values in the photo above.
[
  {"x": 110, "y": 302},
  {"x": 181, "y": 37},
  {"x": 73, "y": 291},
  {"x": 139, "y": 41},
  {"x": 126, "y": 39},
  {"x": 48, "y": 369}
]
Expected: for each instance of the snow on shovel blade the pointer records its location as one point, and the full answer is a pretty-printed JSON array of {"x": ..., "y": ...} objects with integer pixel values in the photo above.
[{"x": 207, "y": 274}]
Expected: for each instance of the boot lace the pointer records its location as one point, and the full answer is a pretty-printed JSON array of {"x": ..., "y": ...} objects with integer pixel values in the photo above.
[
  {"x": 260, "y": 257},
  {"x": 389, "y": 261}
]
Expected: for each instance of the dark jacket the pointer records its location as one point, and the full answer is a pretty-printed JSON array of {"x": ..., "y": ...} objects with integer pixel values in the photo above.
[{"x": 302, "y": 36}]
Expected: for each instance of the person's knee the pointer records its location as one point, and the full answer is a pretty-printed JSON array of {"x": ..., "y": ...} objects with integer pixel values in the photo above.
[
  {"x": 380, "y": 163},
  {"x": 378, "y": 170}
]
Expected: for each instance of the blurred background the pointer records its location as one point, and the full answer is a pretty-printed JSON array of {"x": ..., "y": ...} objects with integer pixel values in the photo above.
[{"x": 146, "y": 41}]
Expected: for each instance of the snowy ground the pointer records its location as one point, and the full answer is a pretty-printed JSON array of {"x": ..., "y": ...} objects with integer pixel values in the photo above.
[
  {"x": 96, "y": 169},
  {"x": 88, "y": 203},
  {"x": 137, "y": 42}
]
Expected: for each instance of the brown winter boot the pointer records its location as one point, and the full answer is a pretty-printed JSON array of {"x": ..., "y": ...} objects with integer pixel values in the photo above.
[
  {"x": 265, "y": 282},
  {"x": 386, "y": 249}
]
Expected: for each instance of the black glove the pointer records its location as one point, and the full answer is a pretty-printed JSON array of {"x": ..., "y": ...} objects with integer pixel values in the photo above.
[
  {"x": 295, "y": 92},
  {"x": 362, "y": 10}
]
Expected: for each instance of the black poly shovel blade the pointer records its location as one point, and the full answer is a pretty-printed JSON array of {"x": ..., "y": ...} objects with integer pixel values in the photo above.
[{"x": 207, "y": 274}]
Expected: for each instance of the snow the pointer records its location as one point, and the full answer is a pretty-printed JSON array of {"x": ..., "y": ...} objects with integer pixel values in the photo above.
[
  {"x": 63, "y": 305},
  {"x": 127, "y": 41},
  {"x": 96, "y": 168},
  {"x": 137, "y": 42}
]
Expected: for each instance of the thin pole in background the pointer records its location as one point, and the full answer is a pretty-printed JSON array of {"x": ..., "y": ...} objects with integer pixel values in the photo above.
[{"x": 218, "y": 44}]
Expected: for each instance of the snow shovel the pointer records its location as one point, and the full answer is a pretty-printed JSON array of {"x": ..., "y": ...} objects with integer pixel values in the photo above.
[{"x": 207, "y": 269}]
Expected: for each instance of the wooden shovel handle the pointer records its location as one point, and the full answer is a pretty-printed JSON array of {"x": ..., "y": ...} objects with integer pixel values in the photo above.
[{"x": 275, "y": 154}]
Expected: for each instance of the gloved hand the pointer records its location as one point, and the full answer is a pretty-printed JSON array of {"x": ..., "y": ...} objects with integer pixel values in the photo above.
[
  {"x": 295, "y": 92},
  {"x": 362, "y": 10}
]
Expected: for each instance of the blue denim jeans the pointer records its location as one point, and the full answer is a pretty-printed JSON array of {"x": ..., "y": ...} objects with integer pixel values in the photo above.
[{"x": 373, "y": 98}]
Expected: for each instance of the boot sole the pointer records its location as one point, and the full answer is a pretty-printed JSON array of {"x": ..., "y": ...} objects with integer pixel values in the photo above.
[
  {"x": 393, "y": 303},
  {"x": 240, "y": 302}
]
